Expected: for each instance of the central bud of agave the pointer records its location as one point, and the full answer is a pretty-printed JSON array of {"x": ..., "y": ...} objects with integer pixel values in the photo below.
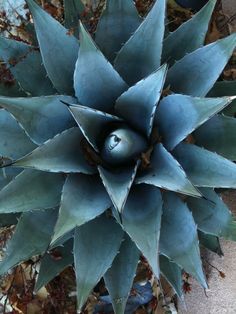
[{"x": 123, "y": 145}]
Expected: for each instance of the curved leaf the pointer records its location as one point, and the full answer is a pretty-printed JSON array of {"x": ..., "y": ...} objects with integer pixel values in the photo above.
[
  {"x": 178, "y": 115},
  {"x": 83, "y": 199},
  {"x": 138, "y": 57},
  {"x": 108, "y": 236},
  {"x": 31, "y": 190},
  {"x": 7, "y": 220},
  {"x": 141, "y": 219},
  {"x": 12, "y": 90},
  {"x": 105, "y": 84},
  {"x": 205, "y": 168},
  {"x": 73, "y": 11},
  {"x": 7, "y": 174},
  {"x": 118, "y": 22},
  {"x": 179, "y": 239},
  {"x": 210, "y": 242},
  {"x": 58, "y": 48},
  {"x": 196, "y": 73}
]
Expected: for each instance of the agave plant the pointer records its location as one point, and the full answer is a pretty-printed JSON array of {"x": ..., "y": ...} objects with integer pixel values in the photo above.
[{"x": 111, "y": 148}]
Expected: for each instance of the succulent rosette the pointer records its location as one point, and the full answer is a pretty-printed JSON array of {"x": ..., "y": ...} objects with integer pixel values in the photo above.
[{"x": 114, "y": 145}]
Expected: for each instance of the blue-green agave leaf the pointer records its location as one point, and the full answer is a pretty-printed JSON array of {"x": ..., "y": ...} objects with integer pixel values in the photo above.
[
  {"x": 31, "y": 237},
  {"x": 218, "y": 135},
  {"x": 192, "y": 4},
  {"x": 179, "y": 240},
  {"x": 141, "y": 54},
  {"x": 83, "y": 199},
  {"x": 212, "y": 216},
  {"x": 103, "y": 237},
  {"x": 118, "y": 22},
  {"x": 60, "y": 241},
  {"x": 73, "y": 11},
  {"x": 87, "y": 117},
  {"x": 204, "y": 168},
  {"x": 210, "y": 242},
  {"x": 197, "y": 72},
  {"x": 192, "y": 33},
  {"x": 51, "y": 266},
  {"x": 7, "y": 174},
  {"x": 31, "y": 190},
  {"x": 25, "y": 63},
  {"x": 7, "y": 220},
  {"x": 178, "y": 115},
  {"x": 165, "y": 172},
  {"x": 58, "y": 48},
  {"x": 119, "y": 278},
  {"x": 225, "y": 88},
  {"x": 173, "y": 274},
  {"x": 118, "y": 183},
  {"x": 63, "y": 153},
  {"x": 13, "y": 141},
  {"x": 105, "y": 84},
  {"x": 141, "y": 219},
  {"x": 138, "y": 104},
  {"x": 41, "y": 117},
  {"x": 11, "y": 90}
]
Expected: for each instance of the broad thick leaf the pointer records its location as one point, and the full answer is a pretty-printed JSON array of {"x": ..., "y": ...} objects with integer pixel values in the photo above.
[
  {"x": 31, "y": 190},
  {"x": 12, "y": 90},
  {"x": 218, "y": 135},
  {"x": 205, "y": 168},
  {"x": 73, "y": 10},
  {"x": 173, "y": 274},
  {"x": 103, "y": 237},
  {"x": 192, "y": 33},
  {"x": 63, "y": 153},
  {"x": 118, "y": 22},
  {"x": 13, "y": 141},
  {"x": 119, "y": 278},
  {"x": 53, "y": 263},
  {"x": 31, "y": 237},
  {"x": 179, "y": 115},
  {"x": 225, "y": 88},
  {"x": 196, "y": 73},
  {"x": 165, "y": 172},
  {"x": 83, "y": 199},
  {"x": 41, "y": 117},
  {"x": 210, "y": 242},
  {"x": 105, "y": 84},
  {"x": 7, "y": 220},
  {"x": 59, "y": 49},
  {"x": 60, "y": 242},
  {"x": 92, "y": 123},
  {"x": 179, "y": 240},
  {"x": 212, "y": 216},
  {"x": 138, "y": 104},
  {"x": 7, "y": 174},
  {"x": 118, "y": 183},
  {"x": 25, "y": 63},
  {"x": 141, "y": 54},
  {"x": 141, "y": 219}
]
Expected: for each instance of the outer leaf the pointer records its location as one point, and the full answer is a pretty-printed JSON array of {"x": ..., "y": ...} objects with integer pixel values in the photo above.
[
  {"x": 117, "y": 23},
  {"x": 83, "y": 199},
  {"x": 7, "y": 220},
  {"x": 7, "y": 174},
  {"x": 205, "y": 168},
  {"x": 192, "y": 33},
  {"x": 131, "y": 61},
  {"x": 218, "y": 135},
  {"x": 119, "y": 278},
  {"x": 51, "y": 267},
  {"x": 58, "y": 48},
  {"x": 87, "y": 117},
  {"x": 135, "y": 219},
  {"x": 105, "y": 84},
  {"x": 165, "y": 172},
  {"x": 210, "y": 242},
  {"x": 73, "y": 10},
  {"x": 13, "y": 141},
  {"x": 41, "y": 117},
  {"x": 203, "y": 66},
  {"x": 138, "y": 104},
  {"x": 25, "y": 64},
  {"x": 173, "y": 274},
  {"x": 90, "y": 270},
  {"x": 179, "y": 115},
  {"x": 118, "y": 183},
  {"x": 11, "y": 90},
  {"x": 212, "y": 216},
  {"x": 31, "y": 237},
  {"x": 63, "y": 153},
  {"x": 31, "y": 190},
  {"x": 179, "y": 239}
]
